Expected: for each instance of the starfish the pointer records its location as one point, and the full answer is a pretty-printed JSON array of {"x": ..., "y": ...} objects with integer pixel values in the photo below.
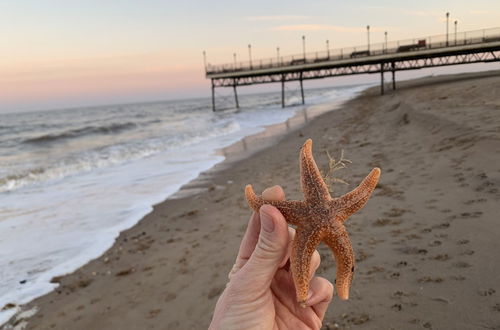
[{"x": 319, "y": 218}]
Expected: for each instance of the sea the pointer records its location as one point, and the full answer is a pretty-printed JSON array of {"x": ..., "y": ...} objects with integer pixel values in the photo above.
[{"x": 72, "y": 179}]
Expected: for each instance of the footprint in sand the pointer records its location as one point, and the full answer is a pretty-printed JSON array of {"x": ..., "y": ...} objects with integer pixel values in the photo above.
[
  {"x": 470, "y": 215},
  {"x": 429, "y": 279},
  {"x": 427, "y": 325},
  {"x": 153, "y": 313},
  {"x": 374, "y": 270},
  {"x": 467, "y": 252},
  {"x": 443, "y": 225},
  {"x": 474, "y": 201},
  {"x": 381, "y": 222},
  {"x": 362, "y": 255},
  {"x": 169, "y": 296},
  {"x": 487, "y": 186},
  {"x": 486, "y": 292},
  {"x": 215, "y": 292},
  {"x": 402, "y": 264},
  {"x": 441, "y": 257},
  {"x": 395, "y": 275},
  {"x": 458, "y": 277},
  {"x": 397, "y": 307},
  {"x": 412, "y": 250},
  {"x": 396, "y": 212},
  {"x": 461, "y": 264}
]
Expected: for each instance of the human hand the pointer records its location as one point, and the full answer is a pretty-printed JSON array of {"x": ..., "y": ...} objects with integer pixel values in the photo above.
[{"x": 260, "y": 293}]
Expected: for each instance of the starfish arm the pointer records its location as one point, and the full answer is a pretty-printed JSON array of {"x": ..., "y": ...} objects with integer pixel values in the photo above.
[
  {"x": 313, "y": 185},
  {"x": 338, "y": 241},
  {"x": 293, "y": 211},
  {"x": 305, "y": 242},
  {"x": 353, "y": 201}
]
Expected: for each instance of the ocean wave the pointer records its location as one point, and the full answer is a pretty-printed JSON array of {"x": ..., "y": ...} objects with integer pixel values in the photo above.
[
  {"x": 109, "y": 156},
  {"x": 78, "y": 132}
]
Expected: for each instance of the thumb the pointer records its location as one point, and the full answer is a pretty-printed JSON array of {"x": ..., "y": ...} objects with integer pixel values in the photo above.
[{"x": 270, "y": 248}]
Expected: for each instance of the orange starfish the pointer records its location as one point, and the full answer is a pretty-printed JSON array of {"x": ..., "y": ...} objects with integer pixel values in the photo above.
[{"x": 319, "y": 218}]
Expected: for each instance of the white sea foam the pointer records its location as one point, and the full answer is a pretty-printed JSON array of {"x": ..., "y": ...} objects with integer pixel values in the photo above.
[
  {"x": 109, "y": 156},
  {"x": 58, "y": 215}
]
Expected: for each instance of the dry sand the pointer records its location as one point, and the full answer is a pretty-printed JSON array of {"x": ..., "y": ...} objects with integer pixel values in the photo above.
[{"x": 427, "y": 243}]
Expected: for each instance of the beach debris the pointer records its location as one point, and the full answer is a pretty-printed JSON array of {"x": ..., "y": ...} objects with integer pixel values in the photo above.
[
  {"x": 125, "y": 272},
  {"x": 8, "y": 306},
  {"x": 333, "y": 166},
  {"x": 319, "y": 218}
]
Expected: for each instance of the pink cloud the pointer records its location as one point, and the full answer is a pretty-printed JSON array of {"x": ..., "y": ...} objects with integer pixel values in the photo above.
[{"x": 325, "y": 27}]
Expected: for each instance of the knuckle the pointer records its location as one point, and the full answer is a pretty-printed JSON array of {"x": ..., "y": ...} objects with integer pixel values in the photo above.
[
  {"x": 328, "y": 290},
  {"x": 267, "y": 246}
]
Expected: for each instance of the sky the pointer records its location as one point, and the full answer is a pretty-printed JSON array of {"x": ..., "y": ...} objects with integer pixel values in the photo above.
[{"x": 59, "y": 53}]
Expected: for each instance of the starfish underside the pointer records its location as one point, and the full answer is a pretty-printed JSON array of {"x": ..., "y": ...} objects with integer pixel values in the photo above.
[{"x": 319, "y": 218}]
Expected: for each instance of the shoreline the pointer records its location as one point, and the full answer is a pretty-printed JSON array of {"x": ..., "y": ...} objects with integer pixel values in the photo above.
[
  {"x": 252, "y": 143},
  {"x": 173, "y": 256},
  {"x": 255, "y": 143}
]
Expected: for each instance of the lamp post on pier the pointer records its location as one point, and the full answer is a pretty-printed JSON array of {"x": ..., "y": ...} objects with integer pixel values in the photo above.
[
  {"x": 368, "y": 37},
  {"x": 234, "y": 57},
  {"x": 447, "y": 23},
  {"x": 328, "y": 48},
  {"x": 250, "y": 55},
  {"x": 205, "y": 60},
  {"x": 278, "y": 55},
  {"x": 385, "y": 38},
  {"x": 304, "y": 46},
  {"x": 456, "y": 23}
]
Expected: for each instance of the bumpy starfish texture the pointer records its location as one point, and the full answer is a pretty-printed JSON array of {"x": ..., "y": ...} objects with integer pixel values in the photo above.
[{"x": 319, "y": 218}]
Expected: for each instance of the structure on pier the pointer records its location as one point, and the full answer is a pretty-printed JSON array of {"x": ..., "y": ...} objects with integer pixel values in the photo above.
[{"x": 463, "y": 48}]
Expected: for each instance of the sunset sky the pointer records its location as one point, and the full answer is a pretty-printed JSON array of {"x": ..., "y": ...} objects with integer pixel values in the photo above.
[{"x": 61, "y": 53}]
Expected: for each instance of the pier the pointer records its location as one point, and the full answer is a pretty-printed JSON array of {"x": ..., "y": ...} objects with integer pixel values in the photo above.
[{"x": 411, "y": 54}]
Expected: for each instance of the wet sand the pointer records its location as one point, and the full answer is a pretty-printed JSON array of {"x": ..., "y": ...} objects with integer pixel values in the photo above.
[{"x": 426, "y": 244}]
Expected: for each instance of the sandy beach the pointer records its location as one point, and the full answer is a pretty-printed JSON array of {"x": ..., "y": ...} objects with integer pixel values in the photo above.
[{"x": 426, "y": 244}]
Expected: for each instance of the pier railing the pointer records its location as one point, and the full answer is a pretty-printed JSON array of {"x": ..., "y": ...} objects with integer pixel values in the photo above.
[{"x": 392, "y": 47}]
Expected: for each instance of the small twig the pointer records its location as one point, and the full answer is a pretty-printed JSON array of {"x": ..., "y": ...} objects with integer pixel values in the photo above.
[{"x": 333, "y": 166}]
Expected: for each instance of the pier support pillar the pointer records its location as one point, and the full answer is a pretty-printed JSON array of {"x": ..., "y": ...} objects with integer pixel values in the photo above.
[
  {"x": 213, "y": 95},
  {"x": 393, "y": 76},
  {"x": 301, "y": 88},
  {"x": 382, "y": 78},
  {"x": 235, "y": 95},
  {"x": 283, "y": 91}
]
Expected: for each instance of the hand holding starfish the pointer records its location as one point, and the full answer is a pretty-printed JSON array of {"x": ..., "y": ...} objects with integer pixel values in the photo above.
[
  {"x": 260, "y": 293},
  {"x": 319, "y": 218}
]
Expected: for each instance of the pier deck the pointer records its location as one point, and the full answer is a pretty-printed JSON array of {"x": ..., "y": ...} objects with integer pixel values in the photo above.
[{"x": 464, "y": 48}]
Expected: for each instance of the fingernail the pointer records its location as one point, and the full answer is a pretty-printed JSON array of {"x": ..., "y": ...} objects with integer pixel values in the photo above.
[{"x": 267, "y": 222}]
